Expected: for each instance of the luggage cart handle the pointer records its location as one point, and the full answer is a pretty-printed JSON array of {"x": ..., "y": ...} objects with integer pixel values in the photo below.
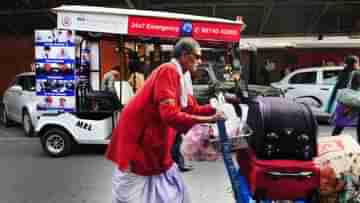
[{"x": 304, "y": 174}]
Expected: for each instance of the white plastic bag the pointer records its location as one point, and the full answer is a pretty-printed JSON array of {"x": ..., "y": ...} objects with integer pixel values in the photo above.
[
  {"x": 196, "y": 144},
  {"x": 235, "y": 126}
]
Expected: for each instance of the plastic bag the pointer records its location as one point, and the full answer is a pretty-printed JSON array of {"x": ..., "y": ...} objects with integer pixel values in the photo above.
[
  {"x": 202, "y": 142},
  {"x": 196, "y": 144},
  {"x": 349, "y": 97},
  {"x": 235, "y": 126},
  {"x": 338, "y": 159},
  {"x": 351, "y": 194}
]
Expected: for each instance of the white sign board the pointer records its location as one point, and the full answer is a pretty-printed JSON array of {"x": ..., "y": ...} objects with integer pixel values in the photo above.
[{"x": 106, "y": 23}]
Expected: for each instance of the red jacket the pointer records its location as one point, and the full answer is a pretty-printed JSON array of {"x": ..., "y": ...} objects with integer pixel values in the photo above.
[{"x": 145, "y": 130}]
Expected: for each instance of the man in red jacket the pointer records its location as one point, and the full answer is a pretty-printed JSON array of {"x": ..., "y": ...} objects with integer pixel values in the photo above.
[{"x": 142, "y": 140}]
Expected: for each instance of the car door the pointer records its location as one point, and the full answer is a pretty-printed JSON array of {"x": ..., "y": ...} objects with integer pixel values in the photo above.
[
  {"x": 10, "y": 99},
  {"x": 328, "y": 78},
  {"x": 19, "y": 99},
  {"x": 302, "y": 84},
  {"x": 26, "y": 96}
]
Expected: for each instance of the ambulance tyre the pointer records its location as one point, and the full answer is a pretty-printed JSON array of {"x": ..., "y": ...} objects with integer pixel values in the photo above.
[{"x": 56, "y": 142}]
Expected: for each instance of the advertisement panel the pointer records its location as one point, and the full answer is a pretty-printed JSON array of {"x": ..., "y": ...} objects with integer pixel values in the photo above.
[
  {"x": 174, "y": 28},
  {"x": 216, "y": 31},
  {"x": 153, "y": 27},
  {"x": 54, "y": 67},
  {"x": 82, "y": 73}
]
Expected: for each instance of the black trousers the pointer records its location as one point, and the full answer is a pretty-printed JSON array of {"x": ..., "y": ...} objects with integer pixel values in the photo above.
[
  {"x": 176, "y": 155},
  {"x": 337, "y": 130}
]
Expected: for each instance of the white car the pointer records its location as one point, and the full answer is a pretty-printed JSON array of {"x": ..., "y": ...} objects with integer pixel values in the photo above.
[
  {"x": 19, "y": 103},
  {"x": 310, "y": 85}
]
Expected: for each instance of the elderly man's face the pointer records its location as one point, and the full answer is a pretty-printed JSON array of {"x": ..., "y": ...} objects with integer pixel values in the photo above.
[{"x": 190, "y": 61}]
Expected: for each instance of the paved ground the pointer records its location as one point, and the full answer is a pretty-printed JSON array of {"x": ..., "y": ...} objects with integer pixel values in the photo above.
[{"x": 29, "y": 176}]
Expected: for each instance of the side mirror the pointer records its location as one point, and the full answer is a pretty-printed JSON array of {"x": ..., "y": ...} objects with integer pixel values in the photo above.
[{"x": 16, "y": 88}]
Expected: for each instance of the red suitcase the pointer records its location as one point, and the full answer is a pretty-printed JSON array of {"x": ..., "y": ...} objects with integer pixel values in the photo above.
[{"x": 279, "y": 179}]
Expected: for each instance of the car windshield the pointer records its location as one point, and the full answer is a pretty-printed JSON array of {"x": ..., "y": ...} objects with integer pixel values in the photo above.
[
  {"x": 331, "y": 81},
  {"x": 27, "y": 82}
]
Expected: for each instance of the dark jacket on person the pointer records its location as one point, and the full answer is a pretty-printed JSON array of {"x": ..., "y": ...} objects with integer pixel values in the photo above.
[
  {"x": 341, "y": 83},
  {"x": 343, "y": 79}
]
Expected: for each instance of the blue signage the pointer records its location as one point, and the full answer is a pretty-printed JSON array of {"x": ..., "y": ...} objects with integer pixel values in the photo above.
[
  {"x": 186, "y": 29},
  {"x": 55, "y": 70}
]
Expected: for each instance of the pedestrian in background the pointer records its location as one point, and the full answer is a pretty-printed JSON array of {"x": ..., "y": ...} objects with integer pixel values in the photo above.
[
  {"x": 177, "y": 156},
  {"x": 351, "y": 63},
  {"x": 136, "y": 78},
  {"x": 108, "y": 82}
]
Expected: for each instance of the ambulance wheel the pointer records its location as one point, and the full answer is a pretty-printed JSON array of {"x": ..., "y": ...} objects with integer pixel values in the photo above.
[{"x": 57, "y": 142}]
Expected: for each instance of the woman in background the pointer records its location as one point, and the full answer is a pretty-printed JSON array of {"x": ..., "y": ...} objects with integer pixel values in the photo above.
[
  {"x": 351, "y": 63},
  {"x": 137, "y": 78}
]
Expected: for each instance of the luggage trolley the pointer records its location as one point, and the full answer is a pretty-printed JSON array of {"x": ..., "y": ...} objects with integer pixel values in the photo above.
[{"x": 238, "y": 182}]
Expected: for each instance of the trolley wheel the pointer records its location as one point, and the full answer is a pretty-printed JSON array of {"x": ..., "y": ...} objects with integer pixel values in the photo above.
[
  {"x": 260, "y": 194},
  {"x": 314, "y": 196}
]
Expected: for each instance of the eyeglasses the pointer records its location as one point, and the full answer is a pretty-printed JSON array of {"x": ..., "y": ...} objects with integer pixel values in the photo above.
[{"x": 197, "y": 56}]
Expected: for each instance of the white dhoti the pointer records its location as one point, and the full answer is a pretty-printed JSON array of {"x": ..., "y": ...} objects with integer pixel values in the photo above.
[{"x": 167, "y": 187}]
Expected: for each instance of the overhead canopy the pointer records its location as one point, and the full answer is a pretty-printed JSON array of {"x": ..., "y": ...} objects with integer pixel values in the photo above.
[
  {"x": 265, "y": 18},
  {"x": 300, "y": 42},
  {"x": 148, "y": 23}
]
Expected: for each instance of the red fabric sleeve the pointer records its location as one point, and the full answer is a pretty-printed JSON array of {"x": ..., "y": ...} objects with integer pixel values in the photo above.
[
  {"x": 194, "y": 108},
  {"x": 167, "y": 86}
]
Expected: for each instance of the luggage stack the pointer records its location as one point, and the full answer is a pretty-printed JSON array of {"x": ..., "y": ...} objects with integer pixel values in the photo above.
[
  {"x": 278, "y": 164},
  {"x": 283, "y": 129},
  {"x": 279, "y": 179}
]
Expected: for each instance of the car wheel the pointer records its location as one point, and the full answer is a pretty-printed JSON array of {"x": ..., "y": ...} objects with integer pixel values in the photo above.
[
  {"x": 27, "y": 124},
  {"x": 56, "y": 142},
  {"x": 4, "y": 117}
]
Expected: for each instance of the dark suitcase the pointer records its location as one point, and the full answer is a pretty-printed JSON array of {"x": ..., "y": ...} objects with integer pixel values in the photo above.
[
  {"x": 282, "y": 129},
  {"x": 279, "y": 179}
]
